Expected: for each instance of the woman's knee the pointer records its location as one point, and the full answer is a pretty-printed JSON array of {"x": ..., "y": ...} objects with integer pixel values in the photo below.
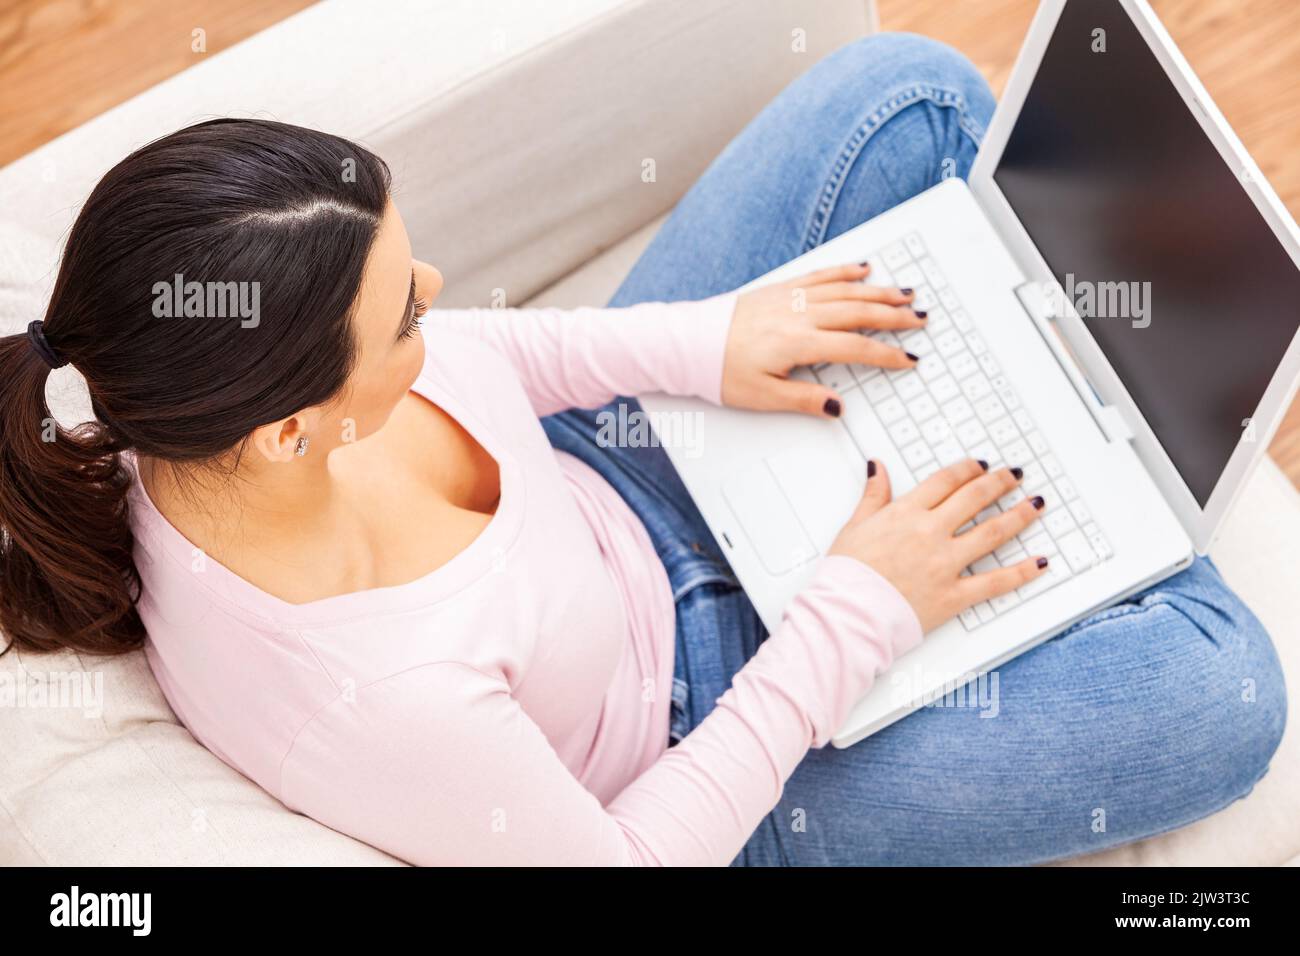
[
  {"x": 887, "y": 63},
  {"x": 1228, "y": 659}
]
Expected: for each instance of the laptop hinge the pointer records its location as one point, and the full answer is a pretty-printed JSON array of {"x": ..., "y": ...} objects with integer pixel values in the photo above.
[{"x": 1038, "y": 307}]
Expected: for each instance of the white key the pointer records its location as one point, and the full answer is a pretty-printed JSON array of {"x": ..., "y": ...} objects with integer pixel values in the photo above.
[
  {"x": 885, "y": 337},
  {"x": 949, "y": 344},
  {"x": 1080, "y": 512},
  {"x": 989, "y": 364},
  {"x": 837, "y": 377},
  {"x": 949, "y": 300},
  {"x": 976, "y": 387},
  {"x": 948, "y": 452},
  {"x": 1022, "y": 420},
  {"x": 1052, "y": 466},
  {"x": 1008, "y": 396},
  {"x": 922, "y": 407},
  {"x": 895, "y": 256},
  {"x": 908, "y": 276},
  {"x": 878, "y": 389},
  {"x": 1037, "y": 442},
  {"x": 1002, "y": 431},
  {"x": 1035, "y": 478},
  {"x": 1039, "y": 543},
  {"x": 1004, "y": 602},
  {"x": 909, "y": 387},
  {"x": 937, "y": 322},
  {"x": 936, "y": 431},
  {"x": 985, "y": 451},
  {"x": 1101, "y": 546},
  {"x": 1059, "y": 523},
  {"x": 990, "y": 409},
  {"x": 916, "y": 342},
  {"x": 933, "y": 273},
  {"x": 890, "y": 410},
  {"x": 879, "y": 274},
  {"x": 924, "y": 298},
  {"x": 1065, "y": 488},
  {"x": 916, "y": 455},
  {"x": 958, "y": 410},
  {"x": 961, "y": 319},
  {"x": 944, "y": 388},
  {"x": 985, "y": 564},
  {"x": 1011, "y": 499},
  {"x": 1078, "y": 553},
  {"x": 971, "y": 432},
  {"x": 865, "y": 373},
  {"x": 1018, "y": 450},
  {"x": 803, "y": 374},
  {"x": 985, "y": 612},
  {"x": 962, "y": 364},
  {"x": 1010, "y": 553},
  {"x": 914, "y": 245},
  {"x": 970, "y": 619},
  {"x": 1037, "y": 586},
  {"x": 976, "y": 343},
  {"x": 930, "y": 367},
  {"x": 904, "y": 432},
  {"x": 926, "y": 470}
]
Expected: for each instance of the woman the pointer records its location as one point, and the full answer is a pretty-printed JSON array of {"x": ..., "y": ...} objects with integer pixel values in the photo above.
[{"x": 366, "y": 579}]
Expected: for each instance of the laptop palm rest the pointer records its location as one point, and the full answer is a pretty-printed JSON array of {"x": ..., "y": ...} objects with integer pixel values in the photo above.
[{"x": 791, "y": 505}]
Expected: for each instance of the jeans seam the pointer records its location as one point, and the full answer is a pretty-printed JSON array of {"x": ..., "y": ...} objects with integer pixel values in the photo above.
[{"x": 893, "y": 105}]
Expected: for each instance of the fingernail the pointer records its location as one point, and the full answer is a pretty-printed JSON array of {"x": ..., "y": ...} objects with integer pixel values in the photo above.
[
  {"x": 865, "y": 265},
  {"x": 1017, "y": 473},
  {"x": 871, "y": 468},
  {"x": 832, "y": 407},
  {"x": 982, "y": 463},
  {"x": 1042, "y": 562},
  {"x": 1037, "y": 502},
  {"x": 906, "y": 291},
  {"x": 920, "y": 313},
  {"x": 914, "y": 358}
]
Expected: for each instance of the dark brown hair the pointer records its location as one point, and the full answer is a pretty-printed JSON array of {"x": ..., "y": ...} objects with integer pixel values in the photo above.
[{"x": 292, "y": 209}]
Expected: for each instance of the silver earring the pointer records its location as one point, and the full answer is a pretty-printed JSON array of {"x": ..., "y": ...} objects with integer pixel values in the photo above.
[{"x": 300, "y": 448}]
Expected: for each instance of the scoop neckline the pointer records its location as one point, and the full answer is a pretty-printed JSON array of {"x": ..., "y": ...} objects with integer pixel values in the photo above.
[{"x": 479, "y": 557}]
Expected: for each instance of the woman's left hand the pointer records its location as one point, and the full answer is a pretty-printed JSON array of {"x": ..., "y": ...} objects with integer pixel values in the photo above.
[{"x": 815, "y": 318}]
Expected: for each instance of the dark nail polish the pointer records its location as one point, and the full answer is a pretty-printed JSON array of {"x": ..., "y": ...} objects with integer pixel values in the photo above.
[
  {"x": 1042, "y": 562},
  {"x": 1017, "y": 473},
  {"x": 914, "y": 358},
  {"x": 832, "y": 407},
  {"x": 982, "y": 463},
  {"x": 920, "y": 313},
  {"x": 864, "y": 264},
  {"x": 905, "y": 291},
  {"x": 1037, "y": 502},
  {"x": 871, "y": 468}
]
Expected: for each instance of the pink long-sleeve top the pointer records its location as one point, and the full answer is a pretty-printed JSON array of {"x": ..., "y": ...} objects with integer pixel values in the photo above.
[{"x": 512, "y": 706}]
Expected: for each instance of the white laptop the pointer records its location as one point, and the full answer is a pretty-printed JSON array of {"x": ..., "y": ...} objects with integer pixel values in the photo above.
[{"x": 1113, "y": 304}]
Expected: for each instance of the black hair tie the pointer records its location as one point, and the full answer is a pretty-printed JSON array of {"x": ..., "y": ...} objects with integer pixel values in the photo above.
[{"x": 36, "y": 336}]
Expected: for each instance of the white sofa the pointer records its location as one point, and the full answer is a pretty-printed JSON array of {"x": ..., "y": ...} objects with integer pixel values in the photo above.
[{"x": 516, "y": 132}]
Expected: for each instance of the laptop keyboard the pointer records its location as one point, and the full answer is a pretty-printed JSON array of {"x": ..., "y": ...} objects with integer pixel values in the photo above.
[{"x": 956, "y": 403}]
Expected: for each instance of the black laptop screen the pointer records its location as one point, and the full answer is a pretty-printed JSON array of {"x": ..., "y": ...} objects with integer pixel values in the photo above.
[{"x": 1178, "y": 277}]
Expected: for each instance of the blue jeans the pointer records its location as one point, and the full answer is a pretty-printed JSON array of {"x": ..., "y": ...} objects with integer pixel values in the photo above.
[{"x": 1145, "y": 717}]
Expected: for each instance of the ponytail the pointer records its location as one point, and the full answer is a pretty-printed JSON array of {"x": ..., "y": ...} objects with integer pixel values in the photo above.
[{"x": 67, "y": 575}]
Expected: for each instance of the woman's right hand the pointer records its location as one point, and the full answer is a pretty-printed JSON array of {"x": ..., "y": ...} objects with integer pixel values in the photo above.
[{"x": 913, "y": 543}]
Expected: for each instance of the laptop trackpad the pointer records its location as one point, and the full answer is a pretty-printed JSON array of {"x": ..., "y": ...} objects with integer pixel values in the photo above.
[{"x": 790, "y": 503}]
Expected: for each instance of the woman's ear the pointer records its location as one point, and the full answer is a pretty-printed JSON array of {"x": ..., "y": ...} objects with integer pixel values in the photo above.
[{"x": 278, "y": 441}]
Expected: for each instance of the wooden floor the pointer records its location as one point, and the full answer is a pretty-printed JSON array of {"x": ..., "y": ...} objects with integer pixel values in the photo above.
[{"x": 65, "y": 61}]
